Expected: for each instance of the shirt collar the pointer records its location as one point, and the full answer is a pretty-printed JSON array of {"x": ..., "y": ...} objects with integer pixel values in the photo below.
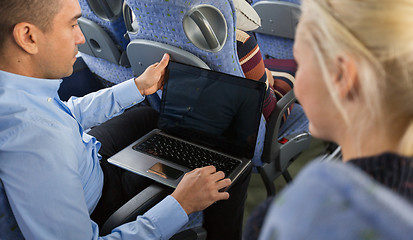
[{"x": 37, "y": 86}]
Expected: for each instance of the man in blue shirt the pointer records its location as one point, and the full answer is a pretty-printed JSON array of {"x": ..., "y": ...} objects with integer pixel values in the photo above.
[{"x": 51, "y": 178}]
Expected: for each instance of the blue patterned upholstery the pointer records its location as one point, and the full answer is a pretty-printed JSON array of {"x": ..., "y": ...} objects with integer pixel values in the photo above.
[
  {"x": 281, "y": 48},
  {"x": 161, "y": 21},
  {"x": 113, "y": 73},
  {"x": 116, "y": 29},
  {"x": 297, "y": 122},
  {"x": 276, "y": 47},
  {"x": 106, "y": 70}
]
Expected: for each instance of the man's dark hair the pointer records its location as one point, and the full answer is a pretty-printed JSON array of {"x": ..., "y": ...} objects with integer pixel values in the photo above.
[{"x": 37, "y": 12}]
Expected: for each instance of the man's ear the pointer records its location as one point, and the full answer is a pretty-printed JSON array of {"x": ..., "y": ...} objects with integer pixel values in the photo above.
[
  {"x": 26, "y": 36},
  {"x": 346, "y": 79}
]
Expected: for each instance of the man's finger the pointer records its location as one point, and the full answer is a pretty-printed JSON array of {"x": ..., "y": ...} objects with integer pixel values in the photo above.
[
  {"x": 218, "y": 176},
  {"x": 222, "y": 196},
  {"x": 209, "y": 169},
  {"x": 224, "y": 183},
  {"x": 164, "y": 62}
]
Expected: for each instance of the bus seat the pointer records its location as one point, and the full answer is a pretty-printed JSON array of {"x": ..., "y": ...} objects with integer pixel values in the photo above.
[
  {"x": 81, "y": 82},
  {"x": 284, "y": 144},
  {"x": 104, "y": 28},
  {"x": 196, "y": 27},
  {"x": 105, "y": 49},
  {"x": 275, "y": 38},
  {"x": 157, "y": 29},
  {"x": 161, "y": 26},
  {"x": 168, "y": 26},
  {"x": 278, "y": 22}
]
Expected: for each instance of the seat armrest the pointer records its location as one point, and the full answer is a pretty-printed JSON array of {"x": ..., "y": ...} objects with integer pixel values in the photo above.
[
  {"x": 97, "y": 42},
  {"x": 136, "y": 206},
  {"x": 142, "y": 53},
  {"x": 271, "y": 146},
  {"x": 278, "y": 155},
  {"x": 291, "y": 149}
]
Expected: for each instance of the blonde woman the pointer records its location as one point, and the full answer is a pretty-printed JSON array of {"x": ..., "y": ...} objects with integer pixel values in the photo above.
[{"x": 355, "y": 83}]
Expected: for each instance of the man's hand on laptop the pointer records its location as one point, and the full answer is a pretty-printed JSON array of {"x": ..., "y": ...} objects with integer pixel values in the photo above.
[
  {"x": 199, "y": 189},
  {"x": 152, "y": 79}
]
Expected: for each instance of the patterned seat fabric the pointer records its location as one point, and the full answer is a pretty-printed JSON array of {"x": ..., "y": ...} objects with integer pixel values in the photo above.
[
  {"x": 278, "y": 58},
  {"x": 161, "y": 21},
  {"x": 108, "y": 72},
  {"x": 297, "y": 122},
  {"x": 276, "y": 47}
]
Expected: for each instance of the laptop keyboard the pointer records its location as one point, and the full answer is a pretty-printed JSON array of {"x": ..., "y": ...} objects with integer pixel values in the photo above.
[{"x": 185, "y": 154}]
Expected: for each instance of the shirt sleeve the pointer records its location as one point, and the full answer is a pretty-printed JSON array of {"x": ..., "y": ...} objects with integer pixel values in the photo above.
[
  {"x": 160, "y": 222},
  {"x": 44, "y": 189},
  {"x": 98, "y": 107}
]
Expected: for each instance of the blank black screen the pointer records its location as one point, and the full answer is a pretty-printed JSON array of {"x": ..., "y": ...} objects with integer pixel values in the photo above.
[{"x": 213, "y": 109}]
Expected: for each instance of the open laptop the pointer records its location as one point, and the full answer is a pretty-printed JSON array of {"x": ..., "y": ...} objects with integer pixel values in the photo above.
[{"x": 206, "y": 118}]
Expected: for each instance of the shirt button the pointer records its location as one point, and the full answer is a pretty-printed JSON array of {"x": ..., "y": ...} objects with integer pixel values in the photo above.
[{"x": 49, "y": 99}]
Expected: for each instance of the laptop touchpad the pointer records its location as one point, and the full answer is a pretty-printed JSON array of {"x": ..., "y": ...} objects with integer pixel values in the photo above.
[{"x": 165, "y": 171}]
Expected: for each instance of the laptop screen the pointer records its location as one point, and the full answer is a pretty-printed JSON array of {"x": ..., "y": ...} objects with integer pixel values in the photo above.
[{"x": 216, "y": 110}]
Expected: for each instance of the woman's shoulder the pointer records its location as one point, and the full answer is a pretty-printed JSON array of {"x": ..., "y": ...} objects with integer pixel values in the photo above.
[{"x": 327, "y": 195}]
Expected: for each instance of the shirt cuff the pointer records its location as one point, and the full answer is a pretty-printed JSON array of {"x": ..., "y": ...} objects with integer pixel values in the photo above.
[
  {"x": 168, "y": 216},
  {"x": 127, "y": 94}
]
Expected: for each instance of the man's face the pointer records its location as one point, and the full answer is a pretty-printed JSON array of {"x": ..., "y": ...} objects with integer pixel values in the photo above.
[{"x": 58, "y": 46}]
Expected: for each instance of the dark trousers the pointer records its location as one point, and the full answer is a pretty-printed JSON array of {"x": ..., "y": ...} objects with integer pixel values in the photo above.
[
  {"x": 117, "y": 133},
  {"x": 222, "y": 220}
]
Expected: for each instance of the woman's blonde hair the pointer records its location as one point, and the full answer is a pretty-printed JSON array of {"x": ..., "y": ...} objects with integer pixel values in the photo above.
[{"x": 378, "y": 35}]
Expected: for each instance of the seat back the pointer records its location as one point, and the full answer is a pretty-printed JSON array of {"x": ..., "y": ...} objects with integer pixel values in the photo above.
[
  {"x": 105, "y": 49},
  {"x": 169, "y": 26},
  {"x": 278, "y": 23},
  {"x": 199, "y": 33},
  {"x": 286, "y": 137},
  {"x": 204, "y": 29}
]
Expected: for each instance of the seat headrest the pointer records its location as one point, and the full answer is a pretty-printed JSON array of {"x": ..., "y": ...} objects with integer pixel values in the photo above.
[
  {"x": 205, "y": 26},
  {"x": 106, "y": 9},
  {"x": 212, "y": 37}
]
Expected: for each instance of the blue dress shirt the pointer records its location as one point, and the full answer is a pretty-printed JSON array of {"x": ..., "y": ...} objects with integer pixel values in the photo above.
[{"x": 50, "y": 168}]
